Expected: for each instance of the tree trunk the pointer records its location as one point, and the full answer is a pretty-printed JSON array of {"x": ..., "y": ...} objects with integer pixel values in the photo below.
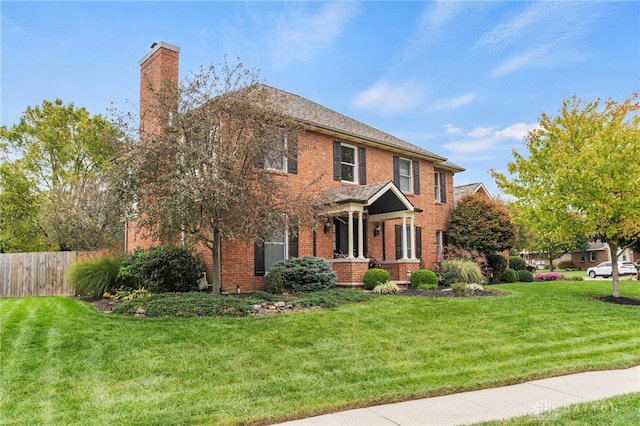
[
  {"x": 216, "y": 279},
  {"x": 550, "y": 259},
  {"x": 615, "y": 278}
]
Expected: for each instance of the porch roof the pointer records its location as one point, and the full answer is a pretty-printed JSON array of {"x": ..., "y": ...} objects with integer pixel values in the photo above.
[{"x": 377, "y": 198}]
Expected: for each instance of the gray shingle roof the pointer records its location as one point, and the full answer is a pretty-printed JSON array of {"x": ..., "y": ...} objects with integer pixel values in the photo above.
[
  {"x": 469, "y": 189},
  {"x": 361, "y": 193},
  {"x": 322, "y": 117}
]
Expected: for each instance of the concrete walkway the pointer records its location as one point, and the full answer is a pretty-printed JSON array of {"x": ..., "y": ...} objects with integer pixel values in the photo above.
[{"x": 535, "y": 397}]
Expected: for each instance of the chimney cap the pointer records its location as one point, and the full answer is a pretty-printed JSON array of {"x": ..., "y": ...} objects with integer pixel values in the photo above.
[{"x": 155, "y": 46}]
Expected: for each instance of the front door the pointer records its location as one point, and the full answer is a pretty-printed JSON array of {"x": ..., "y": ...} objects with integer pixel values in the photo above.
[{"x": 341, "y": 237}]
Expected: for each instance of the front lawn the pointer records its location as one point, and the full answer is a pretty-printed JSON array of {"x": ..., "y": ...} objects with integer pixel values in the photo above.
[{"x": 64, "y": 363}]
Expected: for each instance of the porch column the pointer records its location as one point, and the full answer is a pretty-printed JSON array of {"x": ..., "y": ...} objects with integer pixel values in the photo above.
[
  {"x": 404, "y": 237},
  {"x": 350, "y": 255},
  {"x": 360, "y": 236},
  {"x": 413, "y": 239}
]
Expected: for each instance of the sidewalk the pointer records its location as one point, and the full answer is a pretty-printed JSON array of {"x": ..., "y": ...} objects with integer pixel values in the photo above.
[{"x": 533, "y": 397}]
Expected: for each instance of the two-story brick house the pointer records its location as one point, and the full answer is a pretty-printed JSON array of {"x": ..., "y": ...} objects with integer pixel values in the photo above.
[{"x": 386, "y": 199}]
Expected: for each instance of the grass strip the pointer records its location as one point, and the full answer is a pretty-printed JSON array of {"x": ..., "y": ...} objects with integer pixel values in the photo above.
[{"x": 64, "y": 363}]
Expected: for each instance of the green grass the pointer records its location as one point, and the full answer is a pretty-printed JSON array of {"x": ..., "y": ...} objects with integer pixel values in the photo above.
[
  {"x": 63, "y": 363},
  {"x": 619, "y": 410}
]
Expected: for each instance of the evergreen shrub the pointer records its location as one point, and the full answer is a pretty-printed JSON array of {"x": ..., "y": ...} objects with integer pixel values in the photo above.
[
  {"x": 498, "y": 264},
  {"x": 305, "y": 274},
  {"x": 424, "y": 279},
  {"x": 510, "y": 276},
  {"x": 375, "y": 276},
  {"x": 525, "y": 276},
  {"x": 517, "y": 263},
  {"x": 168, "y": 268}
]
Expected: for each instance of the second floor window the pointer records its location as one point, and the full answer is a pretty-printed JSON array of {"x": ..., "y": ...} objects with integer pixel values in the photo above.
[
  {"x": 406, "y": 175},
  {"x": 404, "y": 171},
  {"x": 276, "y": 160},
  {"x": 349, "y": 163},
  {"x": 440, "y": 187}
]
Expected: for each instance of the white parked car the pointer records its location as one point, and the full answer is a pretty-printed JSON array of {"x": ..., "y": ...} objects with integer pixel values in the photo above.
[{"x": 604, "y": 269}]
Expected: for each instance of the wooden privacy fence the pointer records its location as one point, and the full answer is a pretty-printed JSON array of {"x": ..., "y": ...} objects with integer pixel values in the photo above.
[{"x": 36, "y": 274}]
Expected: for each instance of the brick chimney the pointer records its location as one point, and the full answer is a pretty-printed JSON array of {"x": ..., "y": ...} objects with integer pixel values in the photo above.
[{"x": 158, "y": 72}]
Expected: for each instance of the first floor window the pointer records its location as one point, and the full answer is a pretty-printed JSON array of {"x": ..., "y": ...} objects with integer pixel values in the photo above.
[
  {"x": 282, "y": 244},
  {"x": 441, "y": 242}
]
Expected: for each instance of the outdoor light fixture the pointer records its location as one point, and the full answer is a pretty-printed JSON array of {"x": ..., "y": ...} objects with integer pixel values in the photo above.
[
  {"x": 327, "y": 226},
  {"x": 376, "y": 230}
]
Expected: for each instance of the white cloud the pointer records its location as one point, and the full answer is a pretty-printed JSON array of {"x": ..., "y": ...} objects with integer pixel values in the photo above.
[
  {"x": 474, "y": 145},
  {"x": 452, "y": 130},
  {"x": 480, "y": 132},
  {"x": 545, "y": 34},
  {"x": 516, "y": 131},
  {"x": 452, "y": 103},
  {"x": 390, "y": 99},
  {"x": 300, "y": 35},
  {"x": 482, "y": 139}
]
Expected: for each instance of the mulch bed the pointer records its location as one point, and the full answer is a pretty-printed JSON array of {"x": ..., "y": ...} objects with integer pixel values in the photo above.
[
  {"x": 106, "y": 305},
  {"x": 619, "y": 300}
]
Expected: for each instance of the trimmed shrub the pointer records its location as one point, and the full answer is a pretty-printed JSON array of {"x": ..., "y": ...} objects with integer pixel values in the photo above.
[
  {"x": 424, "y": 279},
  {"x": 274, "y": 280},
  {"x": 565, "y": 264},
  {"x": 517, "y": 263},
  {"x": 498, "y": 264},
  {"x": 510, "y": 276},
  {"x": 549, "y": 276},
  {"x": 463, "y": 271},
  {"x": 161, "y": 269},
  {"x": 93, "y": 277},
  {"x": 386, "y": 288},
  {"x": 525, "y": 276},
  {"x": 305, "y": 274},
  {"x": 375, "y": 276}
]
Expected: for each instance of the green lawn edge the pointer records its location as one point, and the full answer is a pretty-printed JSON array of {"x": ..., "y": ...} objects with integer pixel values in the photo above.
[{"x": 63, "y": 362}]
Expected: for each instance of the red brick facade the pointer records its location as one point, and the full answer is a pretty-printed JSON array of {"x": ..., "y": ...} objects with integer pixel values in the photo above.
[{"x": 315, "y": 164}]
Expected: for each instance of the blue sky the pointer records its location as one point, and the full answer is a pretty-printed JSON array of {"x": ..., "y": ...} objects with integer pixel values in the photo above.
[{"x": 466, "y": 80}]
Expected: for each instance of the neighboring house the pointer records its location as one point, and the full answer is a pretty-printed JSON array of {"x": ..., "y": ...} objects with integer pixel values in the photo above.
[
  {"x": 390, "y": 200},
  {"x": 473, "y": 188},
  {"x": 599, "y": 252}
]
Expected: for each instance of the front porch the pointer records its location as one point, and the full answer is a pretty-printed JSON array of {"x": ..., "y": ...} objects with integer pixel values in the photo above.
[
  {"x": 351, "y": 271},
  {"x": 360, "y": 220}
]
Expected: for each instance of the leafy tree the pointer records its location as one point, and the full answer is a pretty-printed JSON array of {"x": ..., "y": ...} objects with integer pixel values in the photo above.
[
  {"x": 479, "y": 223},
  {"x": 51, "y": 187},
  {"x": 196, "y": 173},
  {"x": 581, "y": 175}
]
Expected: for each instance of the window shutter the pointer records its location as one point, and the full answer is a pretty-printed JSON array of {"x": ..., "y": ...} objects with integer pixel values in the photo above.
[
  {"x": 258, "y": 257},
  {"x": 396, "y": 170},
  {"x": 445, "y": 239},
  {"x": 337, "y": 161},
  {"x": 416, "y": 177},
  {"x": 398, "y": 242},
  {"x": 292, "y": 160},
  {"x": 362, "y": 159},
  {"x": 443, "y": 187},
  {"x": 418, "y": 242},
  {"x": 293, "y": 240}
]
